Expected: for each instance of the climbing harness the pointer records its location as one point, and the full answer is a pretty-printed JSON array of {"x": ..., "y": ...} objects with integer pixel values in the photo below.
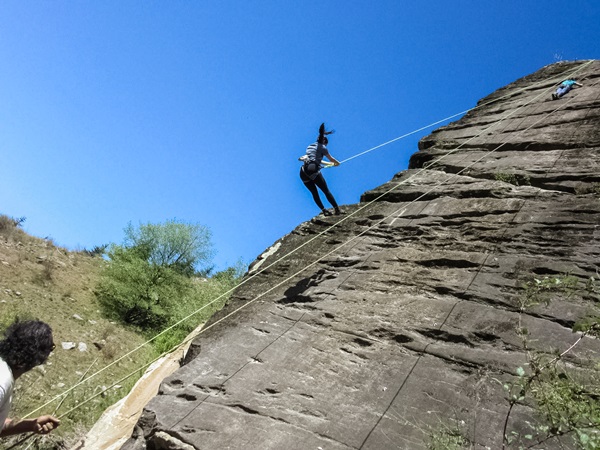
[{"x": 311, "y": 169}]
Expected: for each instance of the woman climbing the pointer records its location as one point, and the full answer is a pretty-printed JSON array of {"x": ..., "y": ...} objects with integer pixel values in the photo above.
[{"x": 310, "y": 173}]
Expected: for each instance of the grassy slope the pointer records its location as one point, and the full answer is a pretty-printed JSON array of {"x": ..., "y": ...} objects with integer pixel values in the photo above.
[{"x": 42, "y": 281}]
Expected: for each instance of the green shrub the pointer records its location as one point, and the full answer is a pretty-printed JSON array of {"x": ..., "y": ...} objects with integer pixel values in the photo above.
[
  {"x": 139, "y": 293},
  {"x": 208, "y": 296},
  {"x": 152, "y": 283},
  {"x": 568, "y": 406},
  {"x": 180, "y": 246}
]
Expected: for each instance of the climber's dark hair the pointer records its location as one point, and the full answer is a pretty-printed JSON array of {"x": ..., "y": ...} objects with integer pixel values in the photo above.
[
  {"x": 322, "y": 139},
  {"x": 26, "y": 344}
]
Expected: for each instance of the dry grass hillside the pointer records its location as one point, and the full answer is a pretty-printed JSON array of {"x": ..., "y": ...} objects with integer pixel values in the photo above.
[{"x": 43, "y": 281}]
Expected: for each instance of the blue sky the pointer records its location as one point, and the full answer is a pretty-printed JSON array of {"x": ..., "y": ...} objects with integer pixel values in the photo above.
[{"x": 144, "y": 111}]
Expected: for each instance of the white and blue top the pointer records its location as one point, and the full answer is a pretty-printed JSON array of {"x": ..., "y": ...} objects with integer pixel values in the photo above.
[{"x": 316, "y": 151}]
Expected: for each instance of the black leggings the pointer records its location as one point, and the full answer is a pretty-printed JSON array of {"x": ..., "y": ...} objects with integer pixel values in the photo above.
[{"x": 312, "y": 185}]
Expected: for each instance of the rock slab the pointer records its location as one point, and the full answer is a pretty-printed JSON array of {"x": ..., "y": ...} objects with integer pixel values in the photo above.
[{"x": 375, "y": 329}]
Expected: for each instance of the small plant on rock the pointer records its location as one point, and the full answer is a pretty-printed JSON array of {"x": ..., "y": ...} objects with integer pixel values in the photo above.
[
  {"x": 539, "y": 290},
  {"x": 585, "y": 188},
  {"x": 511, "y": 178},
  {"x": 447, "y": 437}
]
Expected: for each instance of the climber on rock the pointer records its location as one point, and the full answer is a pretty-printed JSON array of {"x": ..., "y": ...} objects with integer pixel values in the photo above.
[
  {"x": 565, "y": 87},
  {"x": 310, "y": 172}
]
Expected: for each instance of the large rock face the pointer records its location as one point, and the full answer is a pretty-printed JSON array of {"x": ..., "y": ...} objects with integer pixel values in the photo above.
[{"x": 397, "y": 320}]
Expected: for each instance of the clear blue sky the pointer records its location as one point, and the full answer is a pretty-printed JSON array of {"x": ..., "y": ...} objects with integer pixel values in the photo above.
[{"x": 143, "y": 111}]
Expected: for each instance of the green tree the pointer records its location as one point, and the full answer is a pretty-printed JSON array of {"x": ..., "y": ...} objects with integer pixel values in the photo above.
[
  {"x": 180, "y": 246},
  {"x": 148, "y": 279}
]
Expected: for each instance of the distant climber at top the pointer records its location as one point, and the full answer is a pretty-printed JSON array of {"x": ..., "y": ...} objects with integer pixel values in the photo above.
[
  {"x": 565, "y": 87},
  {"x": 310, "y": 173}
]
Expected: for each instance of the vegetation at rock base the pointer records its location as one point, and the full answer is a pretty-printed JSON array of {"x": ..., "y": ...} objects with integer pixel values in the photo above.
[
  {"x": 157, "y": 279},
  {"x": 41, "y": 280}
]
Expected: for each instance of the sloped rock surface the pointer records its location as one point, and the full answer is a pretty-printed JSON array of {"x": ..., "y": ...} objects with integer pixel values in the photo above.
[{"x": 379, "y": 326}]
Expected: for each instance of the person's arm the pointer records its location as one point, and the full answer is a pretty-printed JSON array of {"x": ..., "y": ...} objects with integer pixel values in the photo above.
[
  {"x": 332, "y": 159},
  {"x": 578, "y": 84},
  {"x": 41, "y": 425}
]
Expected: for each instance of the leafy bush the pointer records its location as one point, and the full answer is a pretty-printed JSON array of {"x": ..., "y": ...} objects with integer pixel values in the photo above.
[
  {"x": 568, "y": 406},
  {"x": 180, "y": 246},
  {"x": 137, "y": 292},
  {"x": 207, "y": 297},
  {"x": 153, "y": 284}
]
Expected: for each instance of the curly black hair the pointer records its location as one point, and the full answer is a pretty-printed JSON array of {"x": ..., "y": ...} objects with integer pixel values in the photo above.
[{"x": 26, "y": 344}]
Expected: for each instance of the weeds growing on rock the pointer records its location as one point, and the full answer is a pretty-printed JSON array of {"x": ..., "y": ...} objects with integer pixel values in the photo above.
[
  {"x": 585, "y": 188},
  {"x": 447, "y": 437},
  {"x": 539, "y": 290},
  {"x": 592, "y": 288},
  {"x": 511, "y": 178},
  {"x": 567, "y": 405}
]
